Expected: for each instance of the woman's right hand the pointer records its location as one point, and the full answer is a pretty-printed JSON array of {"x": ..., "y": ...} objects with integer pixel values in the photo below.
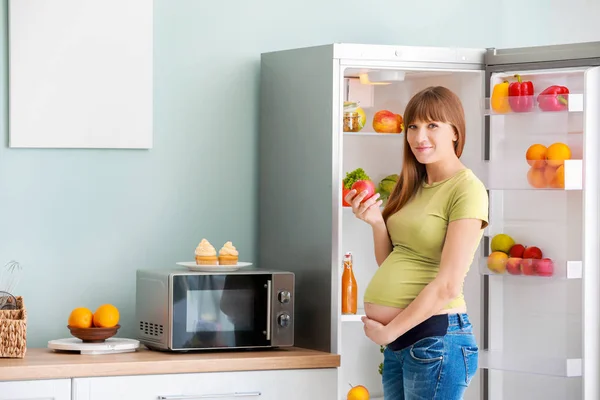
[{"x": 369, "y": 210}]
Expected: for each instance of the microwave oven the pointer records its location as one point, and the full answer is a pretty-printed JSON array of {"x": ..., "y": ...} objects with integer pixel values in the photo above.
[{"x": 181, "y": 310}]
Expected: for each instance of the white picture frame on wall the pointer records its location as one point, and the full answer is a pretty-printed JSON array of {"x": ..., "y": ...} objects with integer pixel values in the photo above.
[{"x": 81, "y": 74}]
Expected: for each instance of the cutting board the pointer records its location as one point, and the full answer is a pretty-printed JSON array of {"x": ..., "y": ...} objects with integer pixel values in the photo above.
[{"x": 109, "y": 346}]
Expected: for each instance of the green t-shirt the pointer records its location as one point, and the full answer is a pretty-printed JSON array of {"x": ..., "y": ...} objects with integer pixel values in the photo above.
[{"x": 417, "y": 233}]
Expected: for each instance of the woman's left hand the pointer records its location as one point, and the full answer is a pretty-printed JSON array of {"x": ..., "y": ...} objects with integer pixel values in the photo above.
[{"x": 377, "y": 332}]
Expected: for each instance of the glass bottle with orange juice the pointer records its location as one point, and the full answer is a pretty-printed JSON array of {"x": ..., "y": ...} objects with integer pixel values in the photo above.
[{"x": 349, "y": 287}]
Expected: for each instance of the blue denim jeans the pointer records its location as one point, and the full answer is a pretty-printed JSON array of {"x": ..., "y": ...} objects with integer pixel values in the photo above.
[{"x": 433, "y": 368}]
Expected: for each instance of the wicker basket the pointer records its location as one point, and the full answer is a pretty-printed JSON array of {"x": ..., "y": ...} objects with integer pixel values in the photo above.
[{"x": 13, "y": 331}]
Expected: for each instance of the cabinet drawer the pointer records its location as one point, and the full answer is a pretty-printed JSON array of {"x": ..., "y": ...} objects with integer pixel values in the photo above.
[
  {"x": 314, "y": 384},
  {"x": 55, "y": 389}
]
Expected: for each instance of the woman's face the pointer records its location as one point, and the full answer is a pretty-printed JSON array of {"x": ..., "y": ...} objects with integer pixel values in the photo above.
[{"x": 431, "y": 141}]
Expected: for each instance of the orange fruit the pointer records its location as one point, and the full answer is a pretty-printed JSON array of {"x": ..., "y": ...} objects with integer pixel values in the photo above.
[
  {"x": 80, "y": 317},
  {"x": 558, "y": 180},
  {"x": 536, "y": 178},
  {"x": 536, "y": 155},
  {"x": 106, "y": 316},
  {"x": 557, "y": 153},
  {"x": 549, "y": 172},
  {"x": 358, "y": 393}
]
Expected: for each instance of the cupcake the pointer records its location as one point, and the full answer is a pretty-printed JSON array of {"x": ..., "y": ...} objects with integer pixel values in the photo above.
[
  {"x": 206, "y": 253},
  {"x": 228, "y": 255}
]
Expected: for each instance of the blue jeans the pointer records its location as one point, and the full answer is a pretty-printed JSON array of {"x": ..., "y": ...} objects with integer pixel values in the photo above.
[{"x": 434, "y": 368}]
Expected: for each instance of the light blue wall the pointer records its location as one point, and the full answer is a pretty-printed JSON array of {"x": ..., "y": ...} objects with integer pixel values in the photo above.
[{"x": 82, "y": 221}]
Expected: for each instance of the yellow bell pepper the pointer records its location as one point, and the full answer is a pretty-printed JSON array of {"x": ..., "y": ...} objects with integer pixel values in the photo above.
[{"x": 499, "y": 100}]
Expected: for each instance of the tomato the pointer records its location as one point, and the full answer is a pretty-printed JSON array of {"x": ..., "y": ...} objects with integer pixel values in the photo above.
[
  {"x": 344, "y": 202},
  {"x": 360, "y": 186}
]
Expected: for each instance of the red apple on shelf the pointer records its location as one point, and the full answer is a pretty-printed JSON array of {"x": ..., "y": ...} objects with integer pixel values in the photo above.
[
  {"x": 527, "y": 267},
  {"x": 533, "y": 252},
  {"x": 516, "y": 251},
  {"x": 544, "y": 267},
  {"x": 385, "y": 121},
  {"x": 513, "y": 266}
]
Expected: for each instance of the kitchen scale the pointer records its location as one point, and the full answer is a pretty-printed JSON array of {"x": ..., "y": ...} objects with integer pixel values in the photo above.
[{"x": 109, "y": 346}]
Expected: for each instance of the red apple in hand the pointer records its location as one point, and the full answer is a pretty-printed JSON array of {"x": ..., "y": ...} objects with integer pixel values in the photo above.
[
  {"x": 533, "y": 252},
  {"x": 544, "y": 267},
  {"x": 516, "y": 251},
  {"x": 527, "y": 266},
  {"x": 360, "y": 186},
  {"x": 513, "y": 266}
]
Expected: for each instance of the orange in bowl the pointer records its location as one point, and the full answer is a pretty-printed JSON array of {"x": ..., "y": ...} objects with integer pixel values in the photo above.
[
  {"x": 106, "y": 316},
  {"x": 81, "y": 317}
]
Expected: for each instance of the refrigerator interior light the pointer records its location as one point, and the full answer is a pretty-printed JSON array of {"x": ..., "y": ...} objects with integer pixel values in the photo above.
[{"x": 364, "y": 79}]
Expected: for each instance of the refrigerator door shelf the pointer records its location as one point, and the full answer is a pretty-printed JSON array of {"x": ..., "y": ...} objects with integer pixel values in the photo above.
[
  {"x": 574, "y": 104},
  {"x": 518, "y": 175},
  {"x": 503, "y": 361},
  {"x": 532, "y": 269}
]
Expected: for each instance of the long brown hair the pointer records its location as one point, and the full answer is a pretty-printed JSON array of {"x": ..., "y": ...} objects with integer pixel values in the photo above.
[{"x": 435, "y": 103}]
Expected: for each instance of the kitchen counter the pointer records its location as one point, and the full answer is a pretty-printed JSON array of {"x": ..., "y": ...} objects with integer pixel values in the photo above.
[{"x": 42, "y": 363}]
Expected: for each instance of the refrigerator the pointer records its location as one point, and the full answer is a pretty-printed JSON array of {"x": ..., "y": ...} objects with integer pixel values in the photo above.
[{"x": 538, "y": 328}]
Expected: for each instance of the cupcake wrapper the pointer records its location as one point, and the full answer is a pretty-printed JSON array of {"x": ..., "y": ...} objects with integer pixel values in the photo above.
[
  {"x": 206, "y": 260},
  {"x": 228, "y": 260}
]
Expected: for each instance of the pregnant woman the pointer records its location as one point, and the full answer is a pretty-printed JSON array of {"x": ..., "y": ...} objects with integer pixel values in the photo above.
[{"x": 425, "y": 241}]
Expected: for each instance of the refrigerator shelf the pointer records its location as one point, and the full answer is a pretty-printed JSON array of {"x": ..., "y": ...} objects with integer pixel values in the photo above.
[
  {"x": 502, "y": 361},
  {"x": 355, "y": 317},
  {"x": 519, "y": 175},
  {"x": 558, "y": 269},
  {"x": 366, "y": 133},
  {"x": 574, "y": 104}
]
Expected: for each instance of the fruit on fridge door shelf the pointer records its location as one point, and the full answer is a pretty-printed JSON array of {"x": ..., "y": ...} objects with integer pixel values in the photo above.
[
  {"x": 499, "y": 263},
  {"x": 520, "y": 95},
  {"x": 502, "y": 242},
  {"x": 553, "y": 98},
  {"x": 496, "y": 262},
  {"x": 349, "y": 287},
  {"x": 547, "y": 165},
  {"x": 516, "y": 258},
  {"x": 499, "y": 101}
]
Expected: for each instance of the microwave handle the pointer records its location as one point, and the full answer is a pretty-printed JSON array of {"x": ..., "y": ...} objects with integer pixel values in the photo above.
[
  {"x": 268, "y": 286},
  {"x": 210, "y": 396}
]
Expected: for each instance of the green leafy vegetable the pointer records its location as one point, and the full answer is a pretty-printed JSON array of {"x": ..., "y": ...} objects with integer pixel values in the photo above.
[{"x": 358, "y": 174}]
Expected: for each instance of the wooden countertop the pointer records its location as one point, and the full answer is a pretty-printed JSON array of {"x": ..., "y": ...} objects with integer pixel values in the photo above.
[{"x": 42, "y": 363}]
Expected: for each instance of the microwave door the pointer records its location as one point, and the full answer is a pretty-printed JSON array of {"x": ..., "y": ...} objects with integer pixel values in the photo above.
[{"x": 220, "y": 311}]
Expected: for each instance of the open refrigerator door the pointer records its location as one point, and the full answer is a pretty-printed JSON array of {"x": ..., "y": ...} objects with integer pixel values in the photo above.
[{"x": 541, "y": 246}]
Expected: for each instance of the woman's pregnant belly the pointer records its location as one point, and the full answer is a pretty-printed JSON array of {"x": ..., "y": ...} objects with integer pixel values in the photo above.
[
  {"x": 397, "y": 282},
  {"x": 381, "y": 314}
]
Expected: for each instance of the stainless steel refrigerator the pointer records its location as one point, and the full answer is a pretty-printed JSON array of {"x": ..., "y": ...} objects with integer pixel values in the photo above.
[{"x": 538, "y": 333}]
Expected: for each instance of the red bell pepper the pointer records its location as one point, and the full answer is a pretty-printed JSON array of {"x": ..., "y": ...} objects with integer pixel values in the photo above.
[
  {"x": 520, "y": 95},
  {"x": 554, "y": 98}
]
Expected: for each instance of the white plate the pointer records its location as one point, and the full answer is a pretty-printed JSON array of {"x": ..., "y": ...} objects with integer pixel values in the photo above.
[{"x": 192, "y": 266}]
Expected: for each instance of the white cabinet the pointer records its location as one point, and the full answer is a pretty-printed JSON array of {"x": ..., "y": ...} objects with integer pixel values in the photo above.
[
  {"x": 314, "y": 384},
  {"x": 55, "y": 389}
]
